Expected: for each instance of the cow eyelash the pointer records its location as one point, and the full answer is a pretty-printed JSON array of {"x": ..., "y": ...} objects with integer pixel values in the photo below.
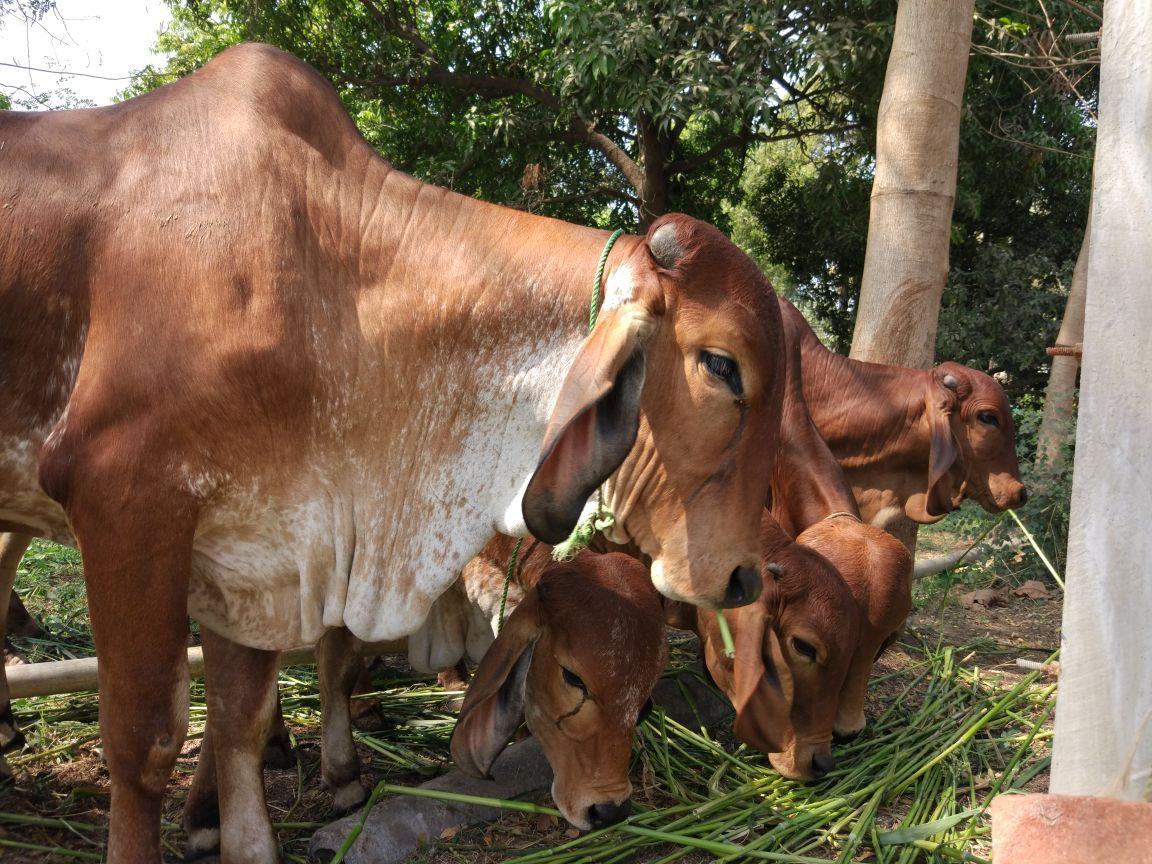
[
  {"x": 808, "y": 652},
  {"x": 724, "y": 368},
  {"x": 573, "y": 680},
  {"x": 988, "y": 419}
]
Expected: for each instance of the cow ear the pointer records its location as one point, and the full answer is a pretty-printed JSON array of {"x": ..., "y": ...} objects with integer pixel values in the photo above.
[
  {"x": 494, "y": 704},
  {"x": 762, "y": 711},
  {"x": 943, "y": 454},
  {"x": 594, "y": 423}
]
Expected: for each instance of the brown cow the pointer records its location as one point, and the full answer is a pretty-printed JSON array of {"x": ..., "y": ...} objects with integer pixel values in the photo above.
[
  {"x": 263, "y": 378},
  {"x": 913, "y": 443},
  {"x": 581, "y": 648}
]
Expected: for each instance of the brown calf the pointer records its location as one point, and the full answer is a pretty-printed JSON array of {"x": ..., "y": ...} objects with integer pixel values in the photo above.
[
  {"x": 794, "y": 648},
  {"x": 913, "y": 443},
  {"x": 262, "y": 378},
  {"x": 582, "y": 646}
]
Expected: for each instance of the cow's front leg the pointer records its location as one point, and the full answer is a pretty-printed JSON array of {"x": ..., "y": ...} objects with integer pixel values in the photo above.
[
  {"x": 241, "y": 690},
  {"x": 278, "y": 751},
  {"x": 12, "y": 548},
  {"x": 339, "y": 664},
  {"x": 137, "y": 557}
]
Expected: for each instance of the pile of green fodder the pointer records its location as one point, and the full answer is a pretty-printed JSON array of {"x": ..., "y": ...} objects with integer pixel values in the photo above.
[{"x": 914, "y": 787}]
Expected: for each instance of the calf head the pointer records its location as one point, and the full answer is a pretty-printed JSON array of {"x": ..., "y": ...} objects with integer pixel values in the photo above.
[
  {"x": 577, "y": 660},
  {"x": 676, "y": 396},
  {"x": 793, "y": 650},
  {"x": 877, "y": 569},
  {"x": 973, "y": 445}
]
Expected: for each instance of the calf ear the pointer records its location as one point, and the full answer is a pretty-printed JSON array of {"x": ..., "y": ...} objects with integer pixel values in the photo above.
[
  {"x": 943, "y": 456},
  {"x": 593, "y": 425},
  {"x": 762, "y": 710},
  {"x": 494, "y": 704}
]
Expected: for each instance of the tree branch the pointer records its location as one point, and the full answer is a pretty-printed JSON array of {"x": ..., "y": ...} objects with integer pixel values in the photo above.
[{"x": 739, "y": 139}]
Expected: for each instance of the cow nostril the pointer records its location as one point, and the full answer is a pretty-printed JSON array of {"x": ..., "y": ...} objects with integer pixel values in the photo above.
[
  {"x": 603, "y": 815},
  {"x": 743, "y": 587},
  {"x": 822, "y": 764},
  {"x": 1023, "y": 496}
]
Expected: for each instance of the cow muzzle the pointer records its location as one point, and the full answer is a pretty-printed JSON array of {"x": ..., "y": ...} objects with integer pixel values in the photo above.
[{"x": 744, "y": 586}]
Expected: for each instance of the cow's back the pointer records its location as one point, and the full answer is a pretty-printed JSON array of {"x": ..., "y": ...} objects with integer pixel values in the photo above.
[{"x": 175, "y": 254}]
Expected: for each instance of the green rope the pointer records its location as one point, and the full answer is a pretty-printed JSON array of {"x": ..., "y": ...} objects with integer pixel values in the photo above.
[
  {"x": 594, "y": 306},
  {"x": 508, "y": 580}
]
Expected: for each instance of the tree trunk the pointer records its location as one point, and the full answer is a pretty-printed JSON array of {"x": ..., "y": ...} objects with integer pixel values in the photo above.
[
  {"x": 1060, "y": 397},
  {"x": 653, "y": 191},
  {"x": 1103, "y": 743},
  {"x": 917, "y": 142}
]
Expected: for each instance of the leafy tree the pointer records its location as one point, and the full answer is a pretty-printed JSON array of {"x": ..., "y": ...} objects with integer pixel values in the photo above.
[
  {"x": 596, "y": 110},
  {"x": 1022, "y": 198}
]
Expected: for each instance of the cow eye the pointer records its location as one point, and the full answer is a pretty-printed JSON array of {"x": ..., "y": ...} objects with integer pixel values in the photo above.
[
  {"x": 805, "y": 650},
  {"x": 725, "y": 369},
  {"x": 988, "y": 418},
  {"x": 573, "y": 680}
]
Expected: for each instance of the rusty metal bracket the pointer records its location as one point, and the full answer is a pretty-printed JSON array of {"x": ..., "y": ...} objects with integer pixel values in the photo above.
[{"x": 1076, "y": 350}]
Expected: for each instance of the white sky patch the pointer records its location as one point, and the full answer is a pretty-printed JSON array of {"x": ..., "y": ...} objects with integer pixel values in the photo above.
[{"x": 110, "y": 38}]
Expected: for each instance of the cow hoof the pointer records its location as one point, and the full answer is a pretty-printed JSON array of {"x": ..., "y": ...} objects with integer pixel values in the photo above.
[
  {"x": 203, "y": 846},
  {"x": 279, "y": 754},
  {"x": 348, "y": 797}
]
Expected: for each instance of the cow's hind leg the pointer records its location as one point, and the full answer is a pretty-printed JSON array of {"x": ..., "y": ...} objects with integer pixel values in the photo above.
[
  {"x": 201, "y": 817},
  {"x": 339, "y": 663},
  {"x": 241, "y": 689},
  {"x": 137, "y": 556},
  {"x": 12, "y": 547}
]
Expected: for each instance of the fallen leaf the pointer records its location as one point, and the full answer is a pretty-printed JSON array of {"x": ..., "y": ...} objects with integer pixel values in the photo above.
[
  {"x": 545, "y": 823},
  {"x": 449, "y": 832},
  {"x": 985, "y": 598},
  {"x": 572, "y": 832},
  {"x": 1033, "y": 589}
]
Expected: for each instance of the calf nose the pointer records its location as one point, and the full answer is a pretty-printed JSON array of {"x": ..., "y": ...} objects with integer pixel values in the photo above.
[
  {"x": 1023, "y": 496},
  {"x": 822, "y": 763},
  {"x": 603, "y": 815},
  {"x": 743, "y": 587}
]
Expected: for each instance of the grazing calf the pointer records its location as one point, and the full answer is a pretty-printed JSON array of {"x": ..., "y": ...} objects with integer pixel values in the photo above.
[
  {"x": 913, "y": 443},
  {"x": 794, "y": 648},
  {"x": 581, "y": 648},
  {"x": 260, "y": 377},
  {"x": 812, "y": 498}
]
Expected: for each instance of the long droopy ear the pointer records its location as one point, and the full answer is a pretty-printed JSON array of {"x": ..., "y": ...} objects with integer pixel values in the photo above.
[
  {"x": 762, "y": 710},
  {"x": 941, "y": 401},
  {"x": 494, "y": 705},
  {"x": 594, "y": 423}
]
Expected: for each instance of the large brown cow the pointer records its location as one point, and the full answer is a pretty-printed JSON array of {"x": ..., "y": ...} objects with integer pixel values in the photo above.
[
  {"x": 913, "y": 443},
  {"x": 261, "y": 377}
]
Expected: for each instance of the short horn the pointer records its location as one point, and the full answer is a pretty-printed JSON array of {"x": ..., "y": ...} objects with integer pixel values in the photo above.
[
  {"x": 665, "y": 246},
  {"x": 950, "y": 382}
]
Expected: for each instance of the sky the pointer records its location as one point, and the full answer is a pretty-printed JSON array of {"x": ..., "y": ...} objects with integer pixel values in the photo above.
[{"x": 110, "y": 38}]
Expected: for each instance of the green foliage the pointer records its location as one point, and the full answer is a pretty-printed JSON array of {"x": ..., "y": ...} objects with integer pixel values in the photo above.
[
  {"x": 5, "y": 102},
  {"x": 1023, "y": 185},
  {"x": 582, "y": 110}
]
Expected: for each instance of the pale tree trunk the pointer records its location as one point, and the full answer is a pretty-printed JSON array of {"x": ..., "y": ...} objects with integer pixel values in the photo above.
[
  {"x": 1060, "y": 397},
  {"x": 917, "y": 141},
  {"x": 1103, "y": 743}
]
